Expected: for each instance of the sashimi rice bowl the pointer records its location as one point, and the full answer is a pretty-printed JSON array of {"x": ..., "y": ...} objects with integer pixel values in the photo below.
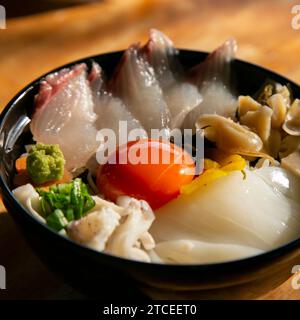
[{"x": 162, "y": 163}]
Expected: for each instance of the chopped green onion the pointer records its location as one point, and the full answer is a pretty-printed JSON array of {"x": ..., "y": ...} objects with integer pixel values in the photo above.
[
  {"x": 56, "y": 220},
  {"x": 45, "y": 207},
  {"x": 71, "y": 200},
  {"x": 89, "y": 204},
  {"x": 69, "y": 214},
  {"x": 76, "y": 199},
  {"x": 64, "y": 188}
]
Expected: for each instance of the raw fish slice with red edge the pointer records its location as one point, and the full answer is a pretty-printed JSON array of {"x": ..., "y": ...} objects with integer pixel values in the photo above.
[
  {"x": 213, "y": 78},
  {"x": 96, "y": 79},
  {"x": 135, "y": 83},
  {"x": 180, "y": 95},
  {"x": 64, "y": 115},
  {"x": 109, "y": 109}
]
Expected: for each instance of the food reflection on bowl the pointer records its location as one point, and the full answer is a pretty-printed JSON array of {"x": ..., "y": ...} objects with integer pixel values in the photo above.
[{"x": 169, "y": 225}]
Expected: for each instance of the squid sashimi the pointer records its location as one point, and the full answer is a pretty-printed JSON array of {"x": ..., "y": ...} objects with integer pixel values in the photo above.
[
  {"x": 64, "y": 114},
  {"x": 109, "y": 109},
  {"x": 213, "y": 80},
  {"x": 180, "y": 96},
  {"x": 258, "y": 211},
  {"x": 135, "y": 83},
  {"x": 194, "y": 251}
]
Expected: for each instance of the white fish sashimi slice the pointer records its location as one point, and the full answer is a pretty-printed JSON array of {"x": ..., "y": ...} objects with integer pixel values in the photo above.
[
  {"x": 191, "y": 251},
  {"x": 217, "y": 99},
  {"x": 212, "y": 78},
  {"x": 217, "y": 65},
  {"x": 64, "y": 115},
  {"x": 162, "y": 55},
  {"x": 135, "y": 83},
  {"x": 231, "y": 210},
  {"x": 109, "y": 109},
  {"x": 96, "y": 79},
  {"x": 180, "y": 96},
  {"x": 112, "y": 115}
]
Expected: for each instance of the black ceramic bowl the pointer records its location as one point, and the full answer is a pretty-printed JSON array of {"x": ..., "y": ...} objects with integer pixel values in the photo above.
[{"x": 103, "y": 275}]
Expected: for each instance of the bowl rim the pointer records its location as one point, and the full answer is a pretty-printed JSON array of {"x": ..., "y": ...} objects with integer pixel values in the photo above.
[{"x": 232, "y": 264}]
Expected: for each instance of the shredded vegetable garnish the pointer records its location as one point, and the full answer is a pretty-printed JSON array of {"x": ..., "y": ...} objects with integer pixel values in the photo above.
[
  {"x": 233, "y": 163},
  {"x": 214, "y": 170},
  {"x": 211, "y": 164},
  {"x": 65, "y": 202}
]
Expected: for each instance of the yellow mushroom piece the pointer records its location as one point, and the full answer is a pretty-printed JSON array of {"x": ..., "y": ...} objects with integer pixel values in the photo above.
[
  {"x": 259, "y": 121},
  {"x": 266, "y": 93},
  {"x": 228, "y": 135},
  {"x": 289, "y": 145},
  {"x": 279, "y": 105},
  {"x": 292, "y": 162},
  {"x": 292, "y": 120},
  {"x": 246, "y": 104},
  {"x": 284, "y": 91},
  {"x": 273, "y": 144}
]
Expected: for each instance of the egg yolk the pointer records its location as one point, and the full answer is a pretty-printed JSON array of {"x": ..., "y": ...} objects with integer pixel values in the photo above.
[{"x": 150, "y": 170}]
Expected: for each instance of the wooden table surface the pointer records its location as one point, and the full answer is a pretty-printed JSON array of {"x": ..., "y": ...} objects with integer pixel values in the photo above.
[{"x": 31, "y": 46}]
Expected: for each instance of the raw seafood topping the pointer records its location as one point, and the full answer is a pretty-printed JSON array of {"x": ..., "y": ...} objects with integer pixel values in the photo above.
[{"x": 162, "y": 163}]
